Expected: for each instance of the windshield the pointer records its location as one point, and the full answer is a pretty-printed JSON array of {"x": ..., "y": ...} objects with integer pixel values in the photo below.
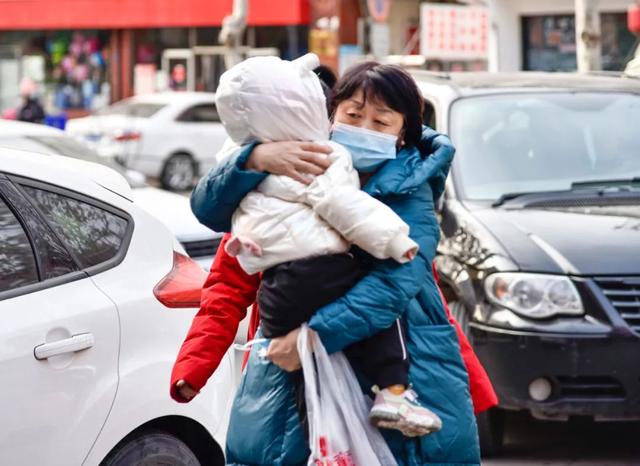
[
  {"x": 521, "y": 143},
  {"x": 131, "y": 108}
]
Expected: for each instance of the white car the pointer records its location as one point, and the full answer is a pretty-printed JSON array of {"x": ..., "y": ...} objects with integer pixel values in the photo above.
[
  {"x": 170, "y": 208},
  {"x": 173, "y": 136},
  {"x": 96, "y": 296}
]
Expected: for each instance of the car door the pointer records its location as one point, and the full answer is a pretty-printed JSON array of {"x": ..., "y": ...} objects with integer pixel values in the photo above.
[
  {"x": 207, "y": 134},
  {"x": 59, "y": 334}
]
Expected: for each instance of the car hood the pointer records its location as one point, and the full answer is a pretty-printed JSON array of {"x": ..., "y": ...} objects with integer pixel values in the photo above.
[
  {"x": 174, "y": 211},
  {"x": 575, "y": 240}
]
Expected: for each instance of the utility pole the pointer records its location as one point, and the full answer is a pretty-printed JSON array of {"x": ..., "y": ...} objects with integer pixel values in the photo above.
[
  {"x": 233, "y": 27},
  {"x": 588, "y": 44}
]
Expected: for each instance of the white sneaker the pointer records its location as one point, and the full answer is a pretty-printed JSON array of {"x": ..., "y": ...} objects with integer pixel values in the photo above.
[{"x": 404, "y": 413}]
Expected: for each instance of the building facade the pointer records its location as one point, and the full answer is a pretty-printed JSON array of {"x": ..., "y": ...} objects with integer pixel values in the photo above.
[
  {"x": 540, "y": 35},
  {"x": 83, "y": 53}
]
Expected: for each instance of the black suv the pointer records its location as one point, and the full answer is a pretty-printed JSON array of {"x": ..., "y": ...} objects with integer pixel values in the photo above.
[{"x": 540, "y": 250}]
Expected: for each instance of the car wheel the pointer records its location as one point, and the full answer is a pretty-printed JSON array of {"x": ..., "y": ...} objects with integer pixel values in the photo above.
[
  {"x": 150, "y": 448},
  {"x": 178, "y": 173},
  {"x": 490, "y": 422}
]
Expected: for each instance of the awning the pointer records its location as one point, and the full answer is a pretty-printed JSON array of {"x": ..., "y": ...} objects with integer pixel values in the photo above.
[{"x": 124, "y": 14}]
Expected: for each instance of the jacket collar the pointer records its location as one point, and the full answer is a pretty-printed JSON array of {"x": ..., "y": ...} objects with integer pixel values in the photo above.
[{"x": 405, "y": 173}]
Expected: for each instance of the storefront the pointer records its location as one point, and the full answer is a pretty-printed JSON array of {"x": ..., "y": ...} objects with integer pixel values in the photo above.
[
  {"x": 545, "y": 33},
  {"x": 84, "y": 54},
  {"x": 549, "y": 42}
]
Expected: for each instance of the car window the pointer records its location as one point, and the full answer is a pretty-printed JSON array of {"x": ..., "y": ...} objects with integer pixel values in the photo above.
[
  {"x": 92, "y": 234},
  {"x": 203, "y": 113},
  {"x": 17, "y": 262},
  {"x": 129, "y": 108}
]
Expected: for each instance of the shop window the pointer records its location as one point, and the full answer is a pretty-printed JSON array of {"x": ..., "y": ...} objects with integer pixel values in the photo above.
[
  {"x": 549, "y": 42},
  {"x": 618, "y": 43}
]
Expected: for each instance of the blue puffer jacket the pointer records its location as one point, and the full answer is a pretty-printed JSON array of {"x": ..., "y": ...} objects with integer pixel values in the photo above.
[{"x": 264, "y": 427}]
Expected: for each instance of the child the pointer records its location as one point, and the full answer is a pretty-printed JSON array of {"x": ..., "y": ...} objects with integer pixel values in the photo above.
[{"x": 300, "y": 235}]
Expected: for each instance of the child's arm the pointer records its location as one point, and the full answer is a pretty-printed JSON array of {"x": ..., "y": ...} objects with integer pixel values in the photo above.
[
  {"x": 226, "y": 295},
  {"x": 362, "y": 220}
]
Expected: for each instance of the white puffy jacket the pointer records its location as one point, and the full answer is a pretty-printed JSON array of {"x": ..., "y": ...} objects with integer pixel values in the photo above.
[{"x": 267, "y": 99}]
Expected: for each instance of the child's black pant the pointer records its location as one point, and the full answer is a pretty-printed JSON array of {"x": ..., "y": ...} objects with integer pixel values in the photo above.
[{"x": 291, "y": 292}]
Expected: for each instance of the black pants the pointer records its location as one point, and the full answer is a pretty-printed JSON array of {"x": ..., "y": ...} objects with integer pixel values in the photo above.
[{"x": 291, "y": 292}]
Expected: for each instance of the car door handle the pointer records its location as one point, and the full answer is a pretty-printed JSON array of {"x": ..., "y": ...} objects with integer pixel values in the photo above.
[{"x": 68, "y": 345}]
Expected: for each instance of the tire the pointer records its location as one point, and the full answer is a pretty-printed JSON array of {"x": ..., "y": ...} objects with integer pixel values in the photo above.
[
  {"x": 178, "y": 173},
  {"x": 491, "y": 431},
  {"x": 151, "y": 448},
  {"x": 491, "y": 422}
]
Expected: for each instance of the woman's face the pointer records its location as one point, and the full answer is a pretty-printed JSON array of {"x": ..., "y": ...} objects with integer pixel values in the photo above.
[{"x": 372, "y": 115}]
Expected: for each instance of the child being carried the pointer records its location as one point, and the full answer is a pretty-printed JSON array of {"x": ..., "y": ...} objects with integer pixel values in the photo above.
[{"x": 300, "y": 236}]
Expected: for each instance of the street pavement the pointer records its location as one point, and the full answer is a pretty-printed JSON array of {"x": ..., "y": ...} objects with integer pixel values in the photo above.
[{"x": 578, "y": 442}]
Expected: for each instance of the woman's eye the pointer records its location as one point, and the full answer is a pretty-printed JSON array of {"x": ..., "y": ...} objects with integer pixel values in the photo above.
[
  {"x": 353, "y": 115},
  {"x": 381, "y": 123}
]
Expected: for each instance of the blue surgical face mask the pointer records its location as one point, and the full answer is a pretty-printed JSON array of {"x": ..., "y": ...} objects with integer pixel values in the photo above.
[{"x": 369, "y": 149}]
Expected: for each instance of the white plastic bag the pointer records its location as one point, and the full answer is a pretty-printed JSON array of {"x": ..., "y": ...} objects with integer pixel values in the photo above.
[{"x": 339, "y": 430}]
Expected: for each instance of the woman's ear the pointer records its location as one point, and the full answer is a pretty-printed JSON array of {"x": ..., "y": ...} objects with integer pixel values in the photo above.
[{"x": 401, "y": 142}]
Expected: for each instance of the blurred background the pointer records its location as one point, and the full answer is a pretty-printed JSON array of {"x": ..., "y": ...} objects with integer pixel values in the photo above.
[{"x": 80, "y": 56}]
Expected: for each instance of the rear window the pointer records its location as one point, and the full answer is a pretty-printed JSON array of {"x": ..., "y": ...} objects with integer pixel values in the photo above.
[
  {"x": 91, "y": 233},
  {"x": 17, "y": 262},
  {"x": 135, "y": 109}
]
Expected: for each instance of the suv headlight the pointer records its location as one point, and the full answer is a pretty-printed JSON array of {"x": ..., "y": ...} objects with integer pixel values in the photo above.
[{"x": 534, "y": 295}]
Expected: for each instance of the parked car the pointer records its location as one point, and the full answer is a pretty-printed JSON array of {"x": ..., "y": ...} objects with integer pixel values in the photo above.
[
  {"x": 170, "y": 208},
  {"x": 173, "y": 136},
  {"x": 540, "y": 249},
  {"x": 96, "y": 296}
]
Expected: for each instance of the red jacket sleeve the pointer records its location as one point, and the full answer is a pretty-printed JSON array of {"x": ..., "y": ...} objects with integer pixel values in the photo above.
[
  {"x": 226, "y": 294},
  {"x": 482, "y": 392}
]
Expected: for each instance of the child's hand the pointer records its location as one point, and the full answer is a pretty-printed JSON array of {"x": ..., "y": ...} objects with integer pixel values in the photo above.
[
  {"x": 411, "y": 254},
  {"x": 185, "y": 390}
]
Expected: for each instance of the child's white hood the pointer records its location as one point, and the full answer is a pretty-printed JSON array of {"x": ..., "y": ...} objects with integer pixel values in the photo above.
[{"x": 269, "y": 99}]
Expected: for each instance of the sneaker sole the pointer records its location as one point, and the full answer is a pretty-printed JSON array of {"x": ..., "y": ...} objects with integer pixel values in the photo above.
[
  {"x": 407, "y": 429},
  {"x": 384, "y": 416}
]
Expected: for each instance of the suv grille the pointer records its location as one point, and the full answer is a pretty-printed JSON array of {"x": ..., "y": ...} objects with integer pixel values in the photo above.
[
  {"x": 204, "y": 248},
  {"x": 624, "y": 295}
]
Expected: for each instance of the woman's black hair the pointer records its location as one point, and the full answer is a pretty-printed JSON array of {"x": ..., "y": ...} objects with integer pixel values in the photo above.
[
  {"x": 328, "y": 79},
  {"x": 389, "y": 84},
  {"x": 326, "y": 75}
]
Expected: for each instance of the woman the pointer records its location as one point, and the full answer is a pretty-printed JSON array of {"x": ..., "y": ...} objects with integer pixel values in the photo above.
[{"x": 266, "y": 430}]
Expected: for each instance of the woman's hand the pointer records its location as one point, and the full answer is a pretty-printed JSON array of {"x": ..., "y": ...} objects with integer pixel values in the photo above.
[
  {"x": 185, "y": 390},
  {"x": 283, "y": 351},
  {"x": 294, "y": 159}
]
